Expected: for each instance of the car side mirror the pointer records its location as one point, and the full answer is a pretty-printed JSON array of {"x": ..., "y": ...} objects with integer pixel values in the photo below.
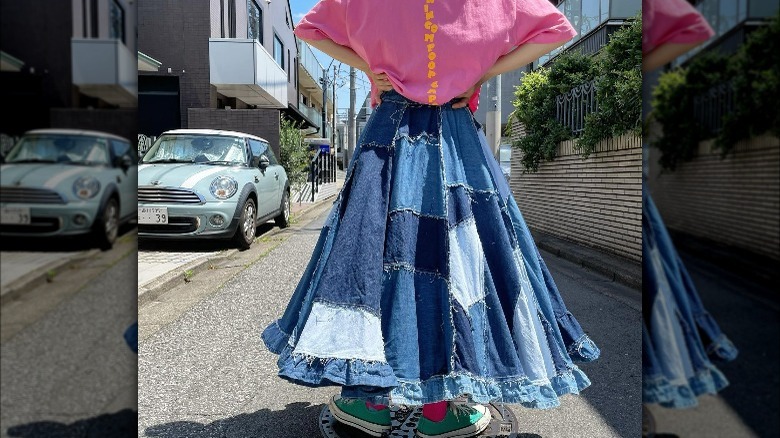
[
  {"x": 124, "y": 162},
  {"x": 264, "y": 162},
  {"x": 255, "y": 161}
]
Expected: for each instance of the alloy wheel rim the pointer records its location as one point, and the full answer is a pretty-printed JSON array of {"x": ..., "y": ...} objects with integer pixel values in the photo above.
[
  {"x": 248, "y": 222},
  {"x": 111, "y": 222},
  {"x": 286, "y": 207}
]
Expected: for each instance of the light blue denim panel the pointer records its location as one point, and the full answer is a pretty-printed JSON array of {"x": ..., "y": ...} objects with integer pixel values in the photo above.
[
  {"x": 417, "y": 183},
  {"x": 578, "y": 344},
  {"x": 467, "y": 264},
  {"x": 416, "y": 323},
  {"x": 671, "y": 347},
  {"x": 478, "y": 319},
  {"x": 531, "y": 340},
  {"x": 464, "y": 161},
  {"x": 341, "y": 332},
  {"x": 283, "y": 331}
]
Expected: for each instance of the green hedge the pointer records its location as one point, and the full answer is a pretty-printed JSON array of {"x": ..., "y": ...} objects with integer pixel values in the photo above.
[
  {"x": 616, "y": 69},
  {"x": 753, "y": 71}
]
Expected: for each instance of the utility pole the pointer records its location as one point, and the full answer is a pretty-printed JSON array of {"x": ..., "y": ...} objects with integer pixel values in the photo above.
[
  {"x": 351, "y": 121},
  {"x": 493, "y": 119},
  {"x": 333, "y": 125},
  {"x": 324, "y": 82}
]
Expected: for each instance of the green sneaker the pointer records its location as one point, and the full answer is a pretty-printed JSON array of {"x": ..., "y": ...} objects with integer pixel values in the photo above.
[
  {"x": 354, "y": 412},
  {"x": 461, "y": 421}
]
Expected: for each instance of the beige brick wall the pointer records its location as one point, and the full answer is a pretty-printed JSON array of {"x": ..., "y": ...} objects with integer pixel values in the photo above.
[
  {"x": 595, "y": 201},
  {"x": 734, "y": 201}
]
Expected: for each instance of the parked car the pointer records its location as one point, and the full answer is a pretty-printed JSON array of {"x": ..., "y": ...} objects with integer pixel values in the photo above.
[
  {"x": 64, "y": 182},
  {"x": 203, "y": 183}
]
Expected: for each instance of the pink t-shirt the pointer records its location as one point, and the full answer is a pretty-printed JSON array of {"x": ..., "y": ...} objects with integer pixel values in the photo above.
[
  {"x": 434, "y": 50},
  {"x": 672, "y": 21}
]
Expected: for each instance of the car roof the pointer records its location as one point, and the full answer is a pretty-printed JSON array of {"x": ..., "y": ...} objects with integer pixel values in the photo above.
[
  {"x": 214, "y": 132},
  {"x": 84, "y": 132}
]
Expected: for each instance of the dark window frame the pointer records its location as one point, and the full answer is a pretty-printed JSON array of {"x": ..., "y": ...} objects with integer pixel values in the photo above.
[
  {"x": 281, "y": 43},
  {"x": 231, "y": 18},
  {"x": 122, "y": 33},
  {"x": 259, "y": 20}
]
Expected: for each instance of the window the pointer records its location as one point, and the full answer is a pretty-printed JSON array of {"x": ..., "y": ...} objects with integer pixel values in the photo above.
[
  {"x": 270, "y": 154},
  {"x": 289, "y": 72},
  {"x": 279, "y": 51},
  {"x": 116, "y": 21},
  {"x": 254, "y": 21},
  {"x": 231, "y": 18}
]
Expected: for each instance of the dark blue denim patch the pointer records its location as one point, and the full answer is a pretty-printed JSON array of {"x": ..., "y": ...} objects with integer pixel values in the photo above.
[
  {"x": 458, "y": 205},
  {"x": 420, "y": 120},
  {"x": 464, "y": 160},
  {"x": 355, "y": 275},
  {"x": 501, "y": 351},
  {"x": 417, "y": 241},
  {"x": 415, "y": 309},
  {"x": 498, "y": 250}
]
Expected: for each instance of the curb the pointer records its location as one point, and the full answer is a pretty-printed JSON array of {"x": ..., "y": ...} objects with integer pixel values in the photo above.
[
  {"x": 619, "y": 269},
  {"x": 38, "y": 277},
  {"x": 156, "y": 287}
]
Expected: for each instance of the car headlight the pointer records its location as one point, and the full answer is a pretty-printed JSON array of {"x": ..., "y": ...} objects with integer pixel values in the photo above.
[
  {"x": 86, "y": 187},
  {"x": 223, "y": 187}
]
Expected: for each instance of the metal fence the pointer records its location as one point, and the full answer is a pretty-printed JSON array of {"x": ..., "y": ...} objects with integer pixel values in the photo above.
[
  {"x": 322, "y": 170},
  {"x": 572, "y": 107},
  {"x": 710, "y": 107}
]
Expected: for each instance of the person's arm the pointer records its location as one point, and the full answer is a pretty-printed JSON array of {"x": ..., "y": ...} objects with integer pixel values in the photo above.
[
  {"x": 664, "y": 54},
  {"x": 349, "y": 57},
  {"x": 520, "y": 56}
]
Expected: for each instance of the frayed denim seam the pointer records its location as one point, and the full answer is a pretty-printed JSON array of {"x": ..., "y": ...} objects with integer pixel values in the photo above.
[
  {"x": 344, "y": 306},
  {"x": 471, "y": 189},
  {"x": 571, "y": 382},
  {"x": 429, "y": 139},
  {"x": 397, "y": 266},
  {"x": 395, "y": 211}
]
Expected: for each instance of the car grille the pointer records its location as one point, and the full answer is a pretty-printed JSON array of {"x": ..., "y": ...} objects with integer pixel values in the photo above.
[
  {"x": 168, "y": 195},
  {"x": 37, "y": 225},
  {"x": 176, "y": 224},
  {"x": 28, "y": 195}
]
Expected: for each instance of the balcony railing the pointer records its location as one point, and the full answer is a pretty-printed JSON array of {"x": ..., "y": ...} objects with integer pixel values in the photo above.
[
  {"x": 309, "y": 62},
  {"x": 710, "y": 107},
  {"x": 572, "y": 107},
  {"x": 105, "y": 69},
  {"x": 243, "y": 69}
]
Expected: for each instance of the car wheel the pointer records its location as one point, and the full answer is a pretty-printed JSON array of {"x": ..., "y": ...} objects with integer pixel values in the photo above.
[
  {"x": 107, "y": 228},
  {"x": 283, "y": 220},
  {"x": 247, "y": 225}
]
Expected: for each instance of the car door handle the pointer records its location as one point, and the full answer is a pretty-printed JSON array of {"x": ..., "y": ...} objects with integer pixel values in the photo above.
[
  {"x": 257, "y": 179},
  {"x": 276, "y": 176}
]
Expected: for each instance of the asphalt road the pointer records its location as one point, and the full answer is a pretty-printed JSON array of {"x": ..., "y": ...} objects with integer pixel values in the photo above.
[
  {"x": 65, "y": 368},
  {"x": 204, "y": 372}
]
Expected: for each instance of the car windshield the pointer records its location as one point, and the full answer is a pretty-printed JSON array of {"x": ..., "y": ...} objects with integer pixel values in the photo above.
[
  {"x": 204, "y": 149},
  {"x": 60, "y": 148}
]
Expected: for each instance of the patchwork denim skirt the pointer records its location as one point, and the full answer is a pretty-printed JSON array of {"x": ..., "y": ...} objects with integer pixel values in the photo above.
[
  {"x": 680, "y": 339},
  {"x": 425, "y": 284}
]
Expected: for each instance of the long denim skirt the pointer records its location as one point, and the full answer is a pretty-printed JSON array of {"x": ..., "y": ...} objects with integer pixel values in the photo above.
[
  {"x": 680, "y": 339},
  {"x": 425, "y": 284}
]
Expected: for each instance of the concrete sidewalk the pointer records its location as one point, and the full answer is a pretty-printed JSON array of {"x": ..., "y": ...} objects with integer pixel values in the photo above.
[
  {"x": 21, "y": 270},
  {"x": 161, "y": 270},
  {"x": 620, "y": 269}
]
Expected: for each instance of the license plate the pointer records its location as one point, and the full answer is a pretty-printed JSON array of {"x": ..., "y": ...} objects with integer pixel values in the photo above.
[
  {"x": 152, "y": 215},
  {"x": 15, "y": 216}
]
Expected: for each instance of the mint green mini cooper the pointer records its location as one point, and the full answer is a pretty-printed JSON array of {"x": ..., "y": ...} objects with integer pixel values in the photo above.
[
  {"x": 66, "y": 182},
  {"x": 202, "y": 183}
]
